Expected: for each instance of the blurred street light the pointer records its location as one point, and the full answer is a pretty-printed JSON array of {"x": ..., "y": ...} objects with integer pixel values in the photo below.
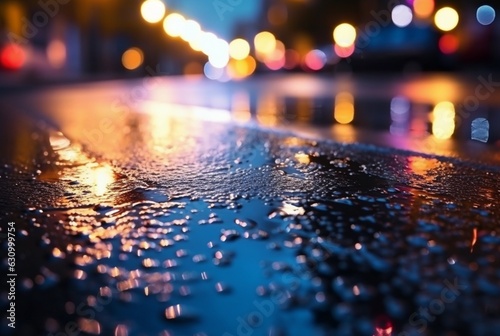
[
  {"x": 443, "y": 120},
  {"x": 485, "y": 15},
  {"x": 12, "y": 57},
  {"x": 344, "y": 35},
  {"x": 423, "y": 8},
  {"x": 264, "y": 42},
  {"x": 239, "y": 49},
  {"x": 174, "y": 24},
  {"x": 315, "y": 59},
  {"x": 344, "y": 108},
  {"x": 132, "y": 58},
  {"x": 153, "y": 11},
  {"x": 402, "y": 16},
  {"x": 446, "y": 19}
]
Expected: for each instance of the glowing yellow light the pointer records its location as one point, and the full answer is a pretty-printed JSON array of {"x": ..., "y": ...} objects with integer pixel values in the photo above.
[
  {"x": 103, "y": 177},
  {"x": 446, "y": 19},
  {"x": 239, "y": 69},
  {"x": 153, "y": 11},
  {"x": 344, "y": 35},
  {"x": 98, "y": 177},
  {"x": 444, "y": 110},
  {"x": 344, "y": 108},
  {"x": 423, "y": 8},
  {"x": 443, "y": 123},
  {"x": 264, "y": 42},
  {"x": 422, "y": 167},
  {"x": 239, "y": 49},
  {"x": 174, "y": 24},
  {"x": 303, "y": 158},
  {"x": 197, "y": 43},
  {"x": 70, "y": 154},
  {"x": 132, "y": 58}
]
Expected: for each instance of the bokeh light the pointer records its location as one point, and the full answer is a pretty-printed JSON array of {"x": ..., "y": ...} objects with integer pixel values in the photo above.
[
  {"x": 344, "y": 35},
  {"x": 344, "y": 108},
  {"x": 446, "y": 19},
  {"x": 240, "y": 69},
  {"x": 400, "y": 115},
  {"x": 12, "y": 57},
  {"x": 207, "y": 42},
  {"x": 174, "y": 24},
  {"x": 402, "y": 16},
  {"x": 315, "y": 60},
  {"x": 153, "y": 11},
  {"x": 239, "y": 49},
  {"x": 443, "y": 123},
  {"x": 423, "y": 8},
  {"x": 400, "y": 109},
  {"x": 448, "y": 44},
  {"x": 344, "y": 52},
  {"x": 215, "y": 48},
  {"x": 100, "y": 177},
  {"x": 485, "y": 15},
  {"x": 219, "y": 54},
  {"x": 56, "y": 53},
  {"x": 212, "y": 72},
  {"x": 191, "y": 30},
  {"x": 275, "y": 64},
  {"x": 275, "y": 60},
  {"x": 132, "y": 58},
  {"x": 264, "y": 42}
]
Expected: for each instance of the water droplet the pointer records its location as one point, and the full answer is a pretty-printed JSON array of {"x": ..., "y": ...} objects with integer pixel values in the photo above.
[
  {"x": 246, "y": 224},
  {"x": 149, "y": 263},
  {"x": 222, "y": 288},
  {"x": 89, "y": 326},
  {"x": 229, "y": 235},
  {"x": 199, "y": 258},
  {"x": 180, "y": 313},
  {"x": 58, "y": 141},
  {"x": 121, "y": 330}
]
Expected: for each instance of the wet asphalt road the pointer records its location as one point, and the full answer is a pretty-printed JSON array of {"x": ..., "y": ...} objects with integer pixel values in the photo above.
[{"x": 143, "y": 217}]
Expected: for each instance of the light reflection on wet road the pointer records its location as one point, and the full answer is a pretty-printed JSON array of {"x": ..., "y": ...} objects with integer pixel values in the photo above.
[{"x": 148, "y": 218}]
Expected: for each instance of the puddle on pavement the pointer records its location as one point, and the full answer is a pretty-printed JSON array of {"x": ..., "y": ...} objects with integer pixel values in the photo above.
[{"x": 214, "y": 229}]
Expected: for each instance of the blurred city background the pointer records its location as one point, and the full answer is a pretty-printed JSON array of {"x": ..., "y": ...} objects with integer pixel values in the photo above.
[
  {"x": 356, "y": 143},
  {"x": 226, "y": 40},
  {"x": 432, "y": 63}
]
